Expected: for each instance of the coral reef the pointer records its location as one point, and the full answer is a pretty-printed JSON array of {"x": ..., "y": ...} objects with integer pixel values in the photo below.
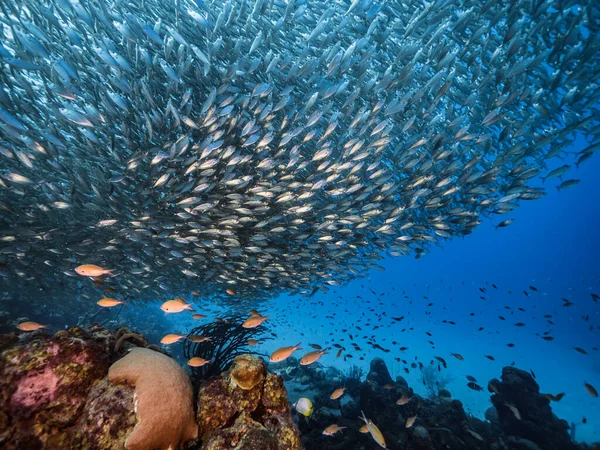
[
  {"x": 258, "y": 417},
  {"x": 44, "y": 384},
  {"x": 164, "y": 399},
  {"x": 440, "y": 422},
  {"x": 60, "y": 392},
  {"x": 525, "y": 415}
]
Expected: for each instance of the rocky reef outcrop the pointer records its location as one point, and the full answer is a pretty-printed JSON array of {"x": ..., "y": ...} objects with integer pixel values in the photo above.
[
  {"x": 525, "y": 415},
  {"x": 56, "y": 393},
  {"x": 246, "y": 408},
  {"x": 409, "y": 421}
]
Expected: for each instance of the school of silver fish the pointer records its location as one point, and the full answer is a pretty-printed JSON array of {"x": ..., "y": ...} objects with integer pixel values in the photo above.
[{"x": 268, "y": 146}]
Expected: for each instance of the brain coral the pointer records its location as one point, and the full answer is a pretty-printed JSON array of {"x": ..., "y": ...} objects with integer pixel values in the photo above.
[{"x": 164, "y": 399}]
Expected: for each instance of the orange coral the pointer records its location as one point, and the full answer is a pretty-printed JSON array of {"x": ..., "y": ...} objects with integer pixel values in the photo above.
[{"x": 164, "y": 399}]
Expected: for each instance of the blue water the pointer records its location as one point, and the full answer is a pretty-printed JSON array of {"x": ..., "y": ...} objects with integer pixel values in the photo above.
[{"x": 552, "y": 245}]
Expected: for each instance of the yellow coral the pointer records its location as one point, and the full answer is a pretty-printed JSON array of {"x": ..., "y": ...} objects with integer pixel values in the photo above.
[
  {"x": 164, "y": 399},
  {"x": 247, "y": 371}
]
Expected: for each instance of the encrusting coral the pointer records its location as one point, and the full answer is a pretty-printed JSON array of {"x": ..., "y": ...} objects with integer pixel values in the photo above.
[
  {"x": 246, "y": 408},
  {"x": 246, "y": 371},
  {"x": 164, "y": 399}
]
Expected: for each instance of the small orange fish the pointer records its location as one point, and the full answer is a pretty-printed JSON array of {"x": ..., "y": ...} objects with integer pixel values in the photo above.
[
  {"x": 339, "y": 353},
  {"x": 312, "y": 357},
  {"x": 196, "y": 361},
  {"x": 197, "y": 339},
  {"x": 337, "y": 393},
  {"x": 252, "y": 342},
  {"x": 403, "y": 400},
  {"x": 91, "y": 270},
  {"x": 231, "y": 292},
  {"x": 410, "y": 421},
  {"x": 554, "y": 398},
  {"x": 284, "y": 353},
  {"x": 109, "y": 289},
  {"x": 198, "y": 316},
  {"x": 175, "y": 306},
  {"x": 196, "y": 293},
  {"x": 109, "y": 302},
  {"x": 591, "y": 389},
  {"x": 332, "y": 429},
  {"x": 30, "y": 326},
  {"x": 171, "y": 338},
  {"x": 254, "y": 320}
]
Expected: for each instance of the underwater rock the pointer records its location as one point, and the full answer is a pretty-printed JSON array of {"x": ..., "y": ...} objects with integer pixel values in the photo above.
[
  {"x": 444, "y": 393},
  {"x": 524, "y": 413},
  {"x": 108, "y": 418},
  {"x": 379, "y": 372},
  {"x": 246, "y": 419},
  {"x": 246, "y": 371},
  {"x": 491, "y": 414},
  {"x": 44, "y": 384},
  {"x": 164, "y": 399},
  {"x": 401, "y": 384},
  {"x": 422, "y": 436}
]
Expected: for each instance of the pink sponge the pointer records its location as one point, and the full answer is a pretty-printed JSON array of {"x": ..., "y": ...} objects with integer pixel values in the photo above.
[
  {"x": 164, "y": 399},
  {"x": 35, "y": 389}
]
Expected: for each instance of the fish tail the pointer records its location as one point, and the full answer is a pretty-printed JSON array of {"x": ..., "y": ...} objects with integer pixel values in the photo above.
[{"x": 189, "y": 308}]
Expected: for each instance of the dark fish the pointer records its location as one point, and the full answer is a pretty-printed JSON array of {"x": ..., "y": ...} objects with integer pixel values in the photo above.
[{"x": 474, "y": 386}]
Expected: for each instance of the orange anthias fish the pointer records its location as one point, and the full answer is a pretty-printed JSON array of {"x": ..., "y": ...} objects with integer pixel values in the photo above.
[
  {"x": 332, "y": 429},
  {"x": 230, "y": 291},
  {"x": 175, "y": 306},
  {"x": 109, "y": 302},
  {"x": 254, "y": 320},
  {"x": 252, "y": 342},
  {"x": 403, "y": 400},
  {"x": 312, "y": 357},
  {"x": 30, "y": 326},
  {"x": 337, "y": 393},
  {"x": 197, "y": 338},
  {"x": 91, "y": 270},
  {"x": 196, "y": 361},
  {"x": 410, "y": 421},
  {"x": 198, "y": 316},
  {"x": 172, "y": 338},
  {"x": 284, "y": 353}
]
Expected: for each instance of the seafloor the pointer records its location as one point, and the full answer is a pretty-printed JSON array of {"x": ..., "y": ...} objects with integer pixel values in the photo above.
[{"x": 97, "y": 389}]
